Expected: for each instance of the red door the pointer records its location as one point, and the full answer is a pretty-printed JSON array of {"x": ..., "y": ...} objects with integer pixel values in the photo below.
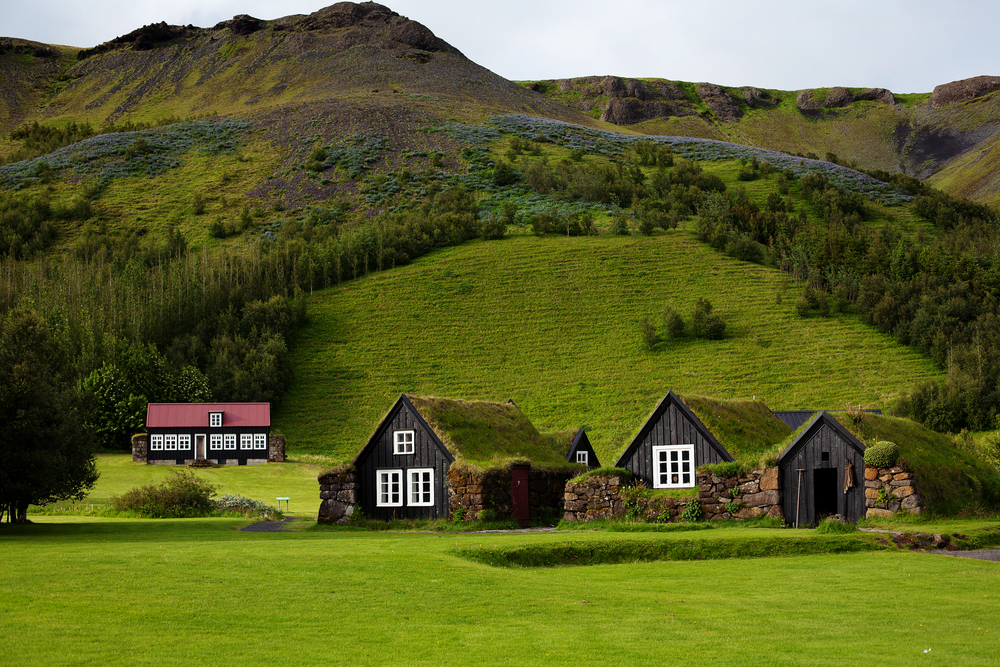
[{"x": 519, "y": 494}]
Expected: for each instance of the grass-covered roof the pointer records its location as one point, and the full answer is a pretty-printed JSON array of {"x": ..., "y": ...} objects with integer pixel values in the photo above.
[
  {"x": 746, "y": 429},
  {"x": 486, "y": 434}
]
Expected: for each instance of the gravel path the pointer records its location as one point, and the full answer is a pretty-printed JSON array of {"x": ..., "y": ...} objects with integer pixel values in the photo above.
[
  {"x": 980, "y": 554},
  {"x": 268, "y": 526}
]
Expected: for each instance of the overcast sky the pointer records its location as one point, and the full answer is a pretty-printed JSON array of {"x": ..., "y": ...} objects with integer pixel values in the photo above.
[{"x": 903, "y": 45}]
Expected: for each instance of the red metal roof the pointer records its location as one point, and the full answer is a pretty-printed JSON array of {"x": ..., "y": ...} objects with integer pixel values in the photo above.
[{"x": 195, "y": 415}]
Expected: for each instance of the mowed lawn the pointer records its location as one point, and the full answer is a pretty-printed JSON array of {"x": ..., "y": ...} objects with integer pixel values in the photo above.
[
  {"x": 80, "y": 591},
  {"x": 552, "y": 323}
]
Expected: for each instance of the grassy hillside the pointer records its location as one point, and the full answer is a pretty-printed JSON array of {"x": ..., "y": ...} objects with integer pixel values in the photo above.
[{"x": 552, "y": 323}]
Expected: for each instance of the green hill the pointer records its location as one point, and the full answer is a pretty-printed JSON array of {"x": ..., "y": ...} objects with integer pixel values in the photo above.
[{"x": 552, "y": 323}]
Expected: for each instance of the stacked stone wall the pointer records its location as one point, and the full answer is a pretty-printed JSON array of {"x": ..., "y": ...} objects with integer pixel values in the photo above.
[
  {"x": 276, "y": 449},
  {"x": 743, "y": 497},
  {"x": 140, "y": 442},
  {"x": 891, "y": 490},
  {"x": 472, "y": 492},
  {"x": 338, "y": 492}
]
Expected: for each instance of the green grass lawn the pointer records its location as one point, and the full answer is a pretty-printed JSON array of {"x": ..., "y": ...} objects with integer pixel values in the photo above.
[
  {"x": 552, "y": 323},
  {"x": 294, "y": 479},
  {"x": 191, "y": 592}
]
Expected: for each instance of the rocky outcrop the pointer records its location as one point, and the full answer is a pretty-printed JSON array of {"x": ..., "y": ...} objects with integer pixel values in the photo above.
[
  {"x": 145, "y": 38},
  {"x": 876, "y": 95},
  {"x": 241, "y": 24},
  {"x": 835, "y": 97},
  {"x": 755, "y": 97},
  {"x": 23, "y": 46},
  {"x": 959, "y": 91},
  {"x": 722, "y": 104}
]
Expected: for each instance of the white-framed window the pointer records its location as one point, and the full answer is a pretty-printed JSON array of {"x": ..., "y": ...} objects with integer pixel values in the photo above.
[
  {"x": 403, "y": 442},
  {"x": 246, "y": 440},
  {"x": 170, "y": 442},
  {"x": 390, "y": 488},
  {"x": 156, "y": 443},
  {"x": 581, "y": 457},
  {"x": 230, "y": 440},
  {"x": 420, "y": 486},
  {"x": 260, "y": 440},
  {"x": 673, "y": 466},
  {"x": 184, "y": 442},
  {"x": 215, "y": 441},
  {"x": 215, "y": 419}
]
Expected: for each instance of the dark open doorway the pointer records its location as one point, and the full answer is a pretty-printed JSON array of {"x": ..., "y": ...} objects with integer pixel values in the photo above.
[{"x": 825, "y": 489}]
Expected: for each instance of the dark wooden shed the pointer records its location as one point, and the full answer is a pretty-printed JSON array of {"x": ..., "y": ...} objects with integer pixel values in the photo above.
[
  {"x": 832, "y": 465},
  {"x": 670, "y": 446},
  {"x": 582, "y": 452}
]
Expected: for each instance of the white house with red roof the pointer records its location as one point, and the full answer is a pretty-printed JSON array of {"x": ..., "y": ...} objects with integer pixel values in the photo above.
[{"x": 220, "y": 433}]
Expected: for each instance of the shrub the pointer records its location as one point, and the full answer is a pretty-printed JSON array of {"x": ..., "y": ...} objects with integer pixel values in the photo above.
[
  {"x": 181, "y": 494},
  {"x": 248, "y": 507},
  {"x": 834, "y": 527},
  {"x": 882, "y": 454},
  {"x": 504, "y": 174},
  {"x": 648, "y": 332},
  {"x": 673, "y": 323},
  {"x": 705, "y": 323},
  {"x": 692, "y": 511},
  {"x": 493, "y": 228}
]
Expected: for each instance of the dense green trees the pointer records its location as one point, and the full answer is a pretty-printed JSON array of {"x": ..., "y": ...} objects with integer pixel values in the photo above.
[{"x": 45, "y": 453}]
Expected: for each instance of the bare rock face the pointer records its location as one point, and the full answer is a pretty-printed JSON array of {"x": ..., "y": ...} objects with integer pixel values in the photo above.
[
  {"x": 722, "y": 104},
  {"x": 373, "y": 15},
  {"x": 838, "y": 97},
  {"x": 241, "y": 24},
  {"x": 757, "y": 98},
  {"x": 876, "y": 95},
  {"x": 629, "y": 111},
  {"x": 143, "y": 39},
  {"x": 966, "y": 89}
]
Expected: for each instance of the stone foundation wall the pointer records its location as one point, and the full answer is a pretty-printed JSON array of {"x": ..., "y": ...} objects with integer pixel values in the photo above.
[
  {"x": 474, "y": 492},
  {"x": 748, "y": 496},
  {"x": 339, "y": 494},
  {"x": 276, "y": 449},
  {"x": 890, "y": 490},
  {"x": 139, "y": 443}
]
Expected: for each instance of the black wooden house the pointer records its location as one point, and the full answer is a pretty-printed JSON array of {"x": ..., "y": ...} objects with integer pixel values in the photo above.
[
  {"x": 582, "y": 452},
  {"x": 822, "y": 473},
  {"x": 670, "y": 446},
  {"x": 403, "y": 469}
]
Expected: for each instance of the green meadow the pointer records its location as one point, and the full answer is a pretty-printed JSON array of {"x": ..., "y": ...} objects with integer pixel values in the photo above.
[
  {"x": 552, "y": 323},
  {"x": 84, "y": 591}
]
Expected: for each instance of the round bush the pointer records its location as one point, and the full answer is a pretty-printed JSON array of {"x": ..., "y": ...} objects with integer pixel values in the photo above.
[{"x": 882, "y": 455}]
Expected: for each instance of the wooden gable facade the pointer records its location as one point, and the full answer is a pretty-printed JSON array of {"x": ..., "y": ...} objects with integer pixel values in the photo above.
[
  {"x": 670, "y": 446},
  {"x": 831, "y": 481},
  {"x": 403, "y": 469},
  {"x": 582, "y": 452}
]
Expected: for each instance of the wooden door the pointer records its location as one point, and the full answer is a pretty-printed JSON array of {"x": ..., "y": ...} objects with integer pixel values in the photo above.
[
  {"x": 199, "y": 446},
  {"x": 519, "y": 494}
]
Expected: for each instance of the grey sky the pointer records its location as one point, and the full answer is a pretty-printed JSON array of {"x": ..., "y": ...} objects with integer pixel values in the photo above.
[{"x": 905, "y": 46}]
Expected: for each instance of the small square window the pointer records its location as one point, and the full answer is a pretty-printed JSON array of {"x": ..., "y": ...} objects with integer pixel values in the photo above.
[
  {"x": 170, "y": 442},
  {"x": 421, "y": 487},
  {"x": 673, "y": 467},
  {"x": 246, "y": 440},
  {"x": 230, "y": 440},
  {"x": 824, "y": 456},
  {"x": 581, "y": 457},
  {"x": 184, "y": 442},
  {"x": 156, "y": 443},
  {"x": 215, "y": 419},
  {"x": 215, "y": 441},
  {"x": 260, "y": 441},
  {"x": 403, "y": 442}
]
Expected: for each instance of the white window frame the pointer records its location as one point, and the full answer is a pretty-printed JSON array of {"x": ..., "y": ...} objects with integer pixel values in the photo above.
[
  {"x": 386, "y": 497},
  {"x": 403, "y": 442},
  {"x": 215, "y": 441},
  {"x": 229, "y": 440},
  {"x": 246, "y": 440},
  {"x": 156, "y": 443},
  {"x": 260, "y": 440},
  {"x": 583, "y": 457},
  {"x": 184, "y": 442},
  {"x": 414, "y": 484},
  {"x": 215, "y": 420},
  {"x": 674, "y": 465},
  {"x": 170, "y": 442}
]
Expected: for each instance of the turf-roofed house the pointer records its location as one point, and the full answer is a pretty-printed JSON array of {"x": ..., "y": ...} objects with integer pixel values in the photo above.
[
  {"x": 671, "y": 445},
  {"x": 432, "y": 458},
  {"x": 218, "y": 433}
]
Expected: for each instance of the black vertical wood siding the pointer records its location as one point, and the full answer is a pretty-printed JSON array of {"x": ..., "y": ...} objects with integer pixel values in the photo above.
[
  {"x": 672, "y": 428},
  {"x": 426, "y": 454},
  {"x": 179, "y": 456},
  {"x": 808, "y": 456}
]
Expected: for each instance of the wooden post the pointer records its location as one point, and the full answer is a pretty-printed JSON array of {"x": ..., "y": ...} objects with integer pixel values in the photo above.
[{"x": 798, "y": 496}]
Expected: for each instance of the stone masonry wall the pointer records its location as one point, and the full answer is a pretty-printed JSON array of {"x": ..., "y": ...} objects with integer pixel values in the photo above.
[
  {"x": 276, "y": 449},
  {"x": 474, "y": 492},
  {"x": 751, "y": 495},
  {"x": 338, "y": 492},
  {"x": 891, "y": 490},
  {"x": 139, "y": 443}
]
